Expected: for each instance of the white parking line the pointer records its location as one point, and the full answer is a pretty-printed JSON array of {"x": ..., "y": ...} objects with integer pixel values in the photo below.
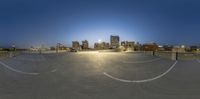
[
  {"x": 54, "y": 70},
  {"x": 148, "y": 61},
  {"x": 18, "y": 71},
  {"x": 142, "y": 81}
]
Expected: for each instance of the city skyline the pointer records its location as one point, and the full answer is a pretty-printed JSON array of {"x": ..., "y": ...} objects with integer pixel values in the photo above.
[
  {"x": 91, "y": 44},
  {"x": 32, "y": 23}
]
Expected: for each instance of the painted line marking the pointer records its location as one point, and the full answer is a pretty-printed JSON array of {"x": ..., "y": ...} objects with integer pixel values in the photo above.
[
  {"x": 54, "y": 70},
  {"x": 18, "y": 71},
  {"x": 148, "y": 61},
  {"x": 142, "y": 81}
]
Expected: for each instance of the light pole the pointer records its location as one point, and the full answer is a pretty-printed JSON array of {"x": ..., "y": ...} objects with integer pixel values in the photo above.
[
  {"x": 12, "y": 53},
  {"x": 57, "y": 47}
]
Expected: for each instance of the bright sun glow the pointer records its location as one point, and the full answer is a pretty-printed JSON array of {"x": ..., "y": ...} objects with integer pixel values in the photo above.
[{"x": 99, "y": 40}]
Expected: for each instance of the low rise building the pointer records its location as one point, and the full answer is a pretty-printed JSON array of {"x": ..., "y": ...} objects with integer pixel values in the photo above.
[
  {"x": 128, "y": 45},
  {"x": 198, "y": 49},
  {"x": 61, "y": 46},
  {"x": 167, "y": 47},
  {"x": 33, "y": 49},
  {"x": 193, "y": 48},
  {"x": 102, "y": 45},
  {"x": 150, "y": 47},
  {"x": 180, "y": 49},
  {"x": 137, "y": 46},
  {"x": 161, "y": 48}
]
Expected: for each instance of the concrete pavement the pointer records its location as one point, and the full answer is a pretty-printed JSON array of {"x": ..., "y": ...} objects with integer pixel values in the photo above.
[{"x": 81, "y": 76}]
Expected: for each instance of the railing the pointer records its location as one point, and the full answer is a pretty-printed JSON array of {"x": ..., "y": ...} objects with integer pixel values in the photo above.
[
  {"x": 162, "y": 54},
  {"x": 178, "y": 55},
  {"x": 4, "y": 54},
  {"x": 188, "y": 56},
  {"x": 170, "y": 54}
]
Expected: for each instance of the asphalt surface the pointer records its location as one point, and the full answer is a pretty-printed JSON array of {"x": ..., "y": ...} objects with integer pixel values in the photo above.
[{"x": 83, "y": 76}]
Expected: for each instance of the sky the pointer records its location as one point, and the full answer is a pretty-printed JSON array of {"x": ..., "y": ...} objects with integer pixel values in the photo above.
[{"x": 34, "y": 22}]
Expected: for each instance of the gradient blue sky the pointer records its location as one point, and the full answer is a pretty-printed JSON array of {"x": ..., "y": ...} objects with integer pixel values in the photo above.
[{"x": 27, "y": 23}]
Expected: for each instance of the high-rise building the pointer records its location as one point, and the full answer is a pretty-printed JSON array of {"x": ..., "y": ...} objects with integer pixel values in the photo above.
[
  {"x": 75, "y": 45},
  {"x": 114, "y": 41},
  {"x": 85, "y": 44}
]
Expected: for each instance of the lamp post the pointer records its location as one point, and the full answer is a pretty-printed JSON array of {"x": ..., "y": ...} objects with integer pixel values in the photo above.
[
  {"x": 13, "y": 48},
  {"x": 57, "y": 47}
]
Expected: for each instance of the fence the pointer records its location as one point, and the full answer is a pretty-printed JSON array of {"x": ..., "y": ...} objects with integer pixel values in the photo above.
[
  {"x": 178, "y": 55},
  {"x": 170, "y": 54},
  {"x": 188, "y": 56},
  {"x": 4, "y": 54}
]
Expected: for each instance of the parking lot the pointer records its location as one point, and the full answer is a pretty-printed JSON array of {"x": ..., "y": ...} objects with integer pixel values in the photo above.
[{"x": 108, "y": 75}]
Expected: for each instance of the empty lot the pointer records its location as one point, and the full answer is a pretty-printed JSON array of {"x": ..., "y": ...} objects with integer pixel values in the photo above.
[{"x": 98, "y": 76}]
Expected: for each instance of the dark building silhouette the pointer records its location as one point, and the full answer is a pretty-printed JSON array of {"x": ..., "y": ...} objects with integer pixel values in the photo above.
[
  {"x": 114, "y": 41},
  {"x": 75, "y": 45},
  {"x": 150, "y": 47},
  {"x": 102, "y": 45},
  {"x": 85, "y": 44}
]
